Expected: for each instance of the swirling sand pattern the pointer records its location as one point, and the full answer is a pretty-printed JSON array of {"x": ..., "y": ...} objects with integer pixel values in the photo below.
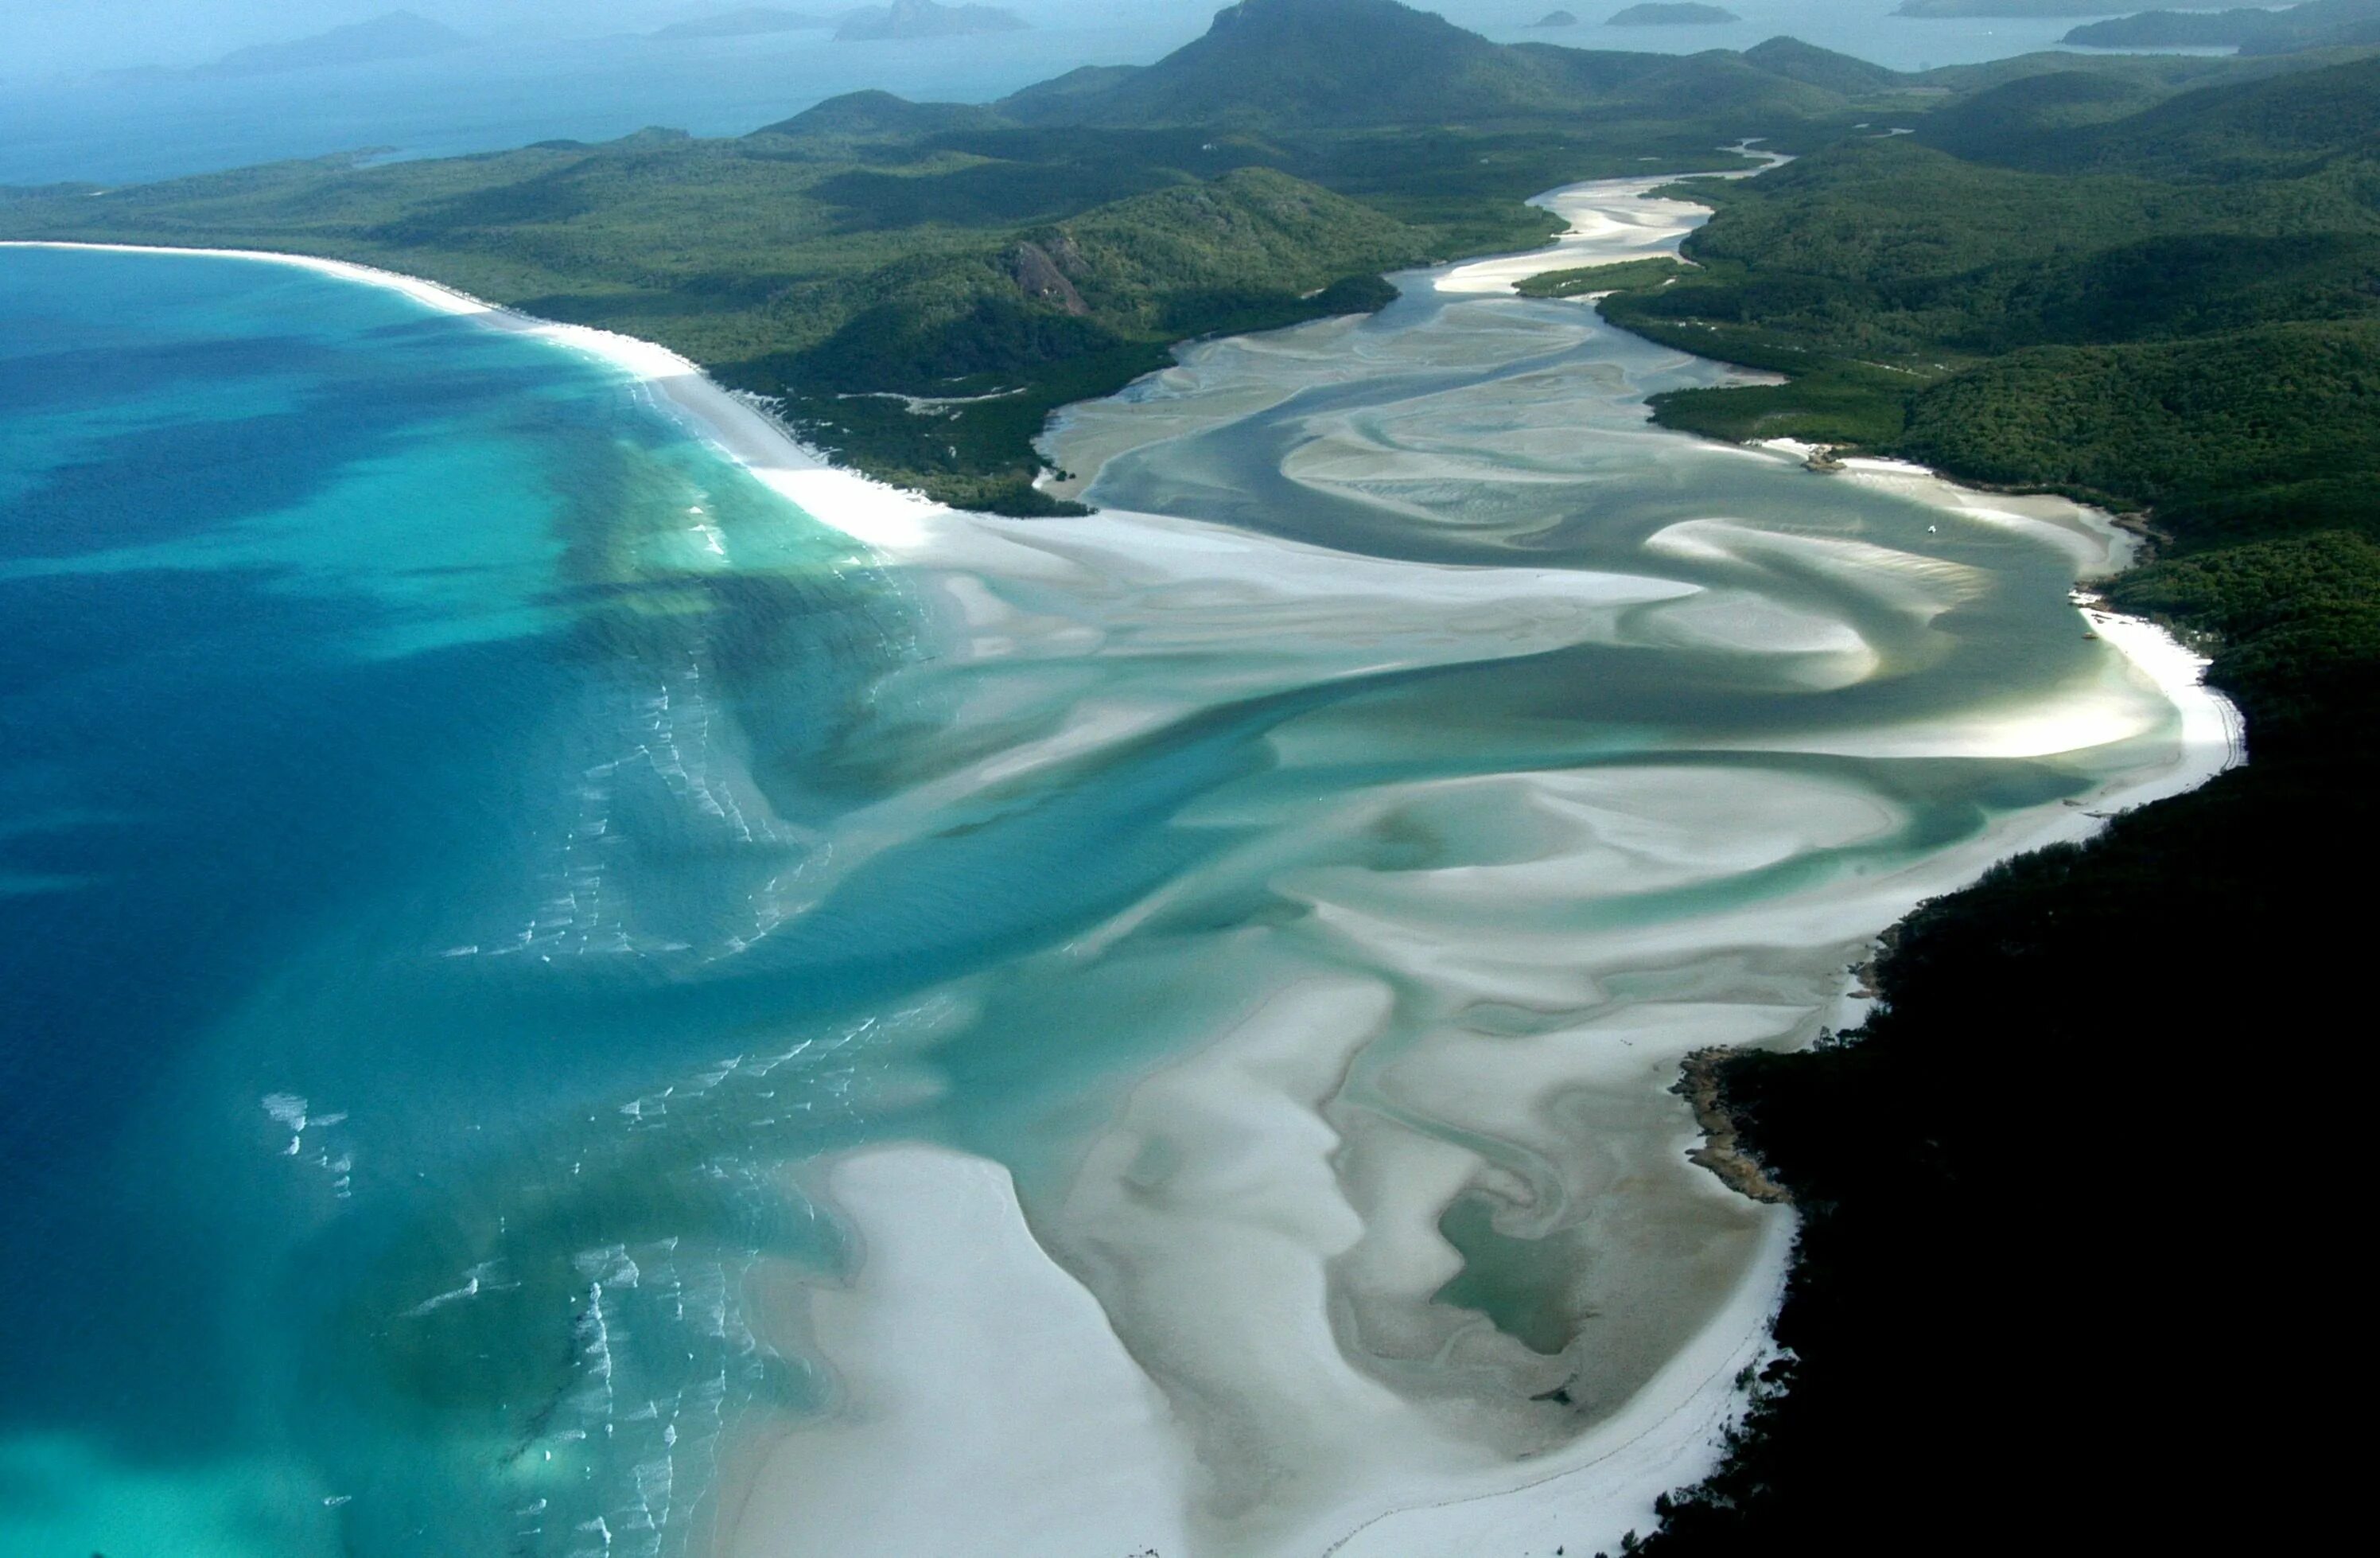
[
  {"x": 1564, "y": 746},
  {"x": 883, "y": 1029}
]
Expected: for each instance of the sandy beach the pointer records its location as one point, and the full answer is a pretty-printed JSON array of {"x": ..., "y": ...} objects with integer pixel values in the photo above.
[{"x": 1216, "y": 1328}]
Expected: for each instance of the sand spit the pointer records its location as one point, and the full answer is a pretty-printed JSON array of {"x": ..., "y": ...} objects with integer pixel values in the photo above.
[{"x": 986, "y": 1394}]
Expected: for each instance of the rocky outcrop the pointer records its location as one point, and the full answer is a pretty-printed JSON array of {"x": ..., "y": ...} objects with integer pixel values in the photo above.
[
  {"x": 1041, "y": 274},
  {"x": 1722, "y": 1151}
]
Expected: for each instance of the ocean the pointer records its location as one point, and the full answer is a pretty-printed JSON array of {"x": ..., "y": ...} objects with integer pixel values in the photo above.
[{"x": 366, "y": 794}]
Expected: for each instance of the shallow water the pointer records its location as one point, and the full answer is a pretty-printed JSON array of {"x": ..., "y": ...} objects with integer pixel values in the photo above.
[{"x": 475, "y": 863}]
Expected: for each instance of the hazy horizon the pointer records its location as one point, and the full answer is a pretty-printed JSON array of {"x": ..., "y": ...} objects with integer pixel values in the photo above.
[
  {"x": 541, "y": 71},
  {"x": 50, "y": 38}
]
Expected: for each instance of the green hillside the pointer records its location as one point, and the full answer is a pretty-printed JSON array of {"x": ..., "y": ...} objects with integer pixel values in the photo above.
[
  {"x": 1894, "y": 278},
  {"x": 2285, "y": 126}
]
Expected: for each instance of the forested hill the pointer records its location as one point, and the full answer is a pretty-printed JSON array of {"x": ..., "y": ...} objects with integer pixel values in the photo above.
[
  {"x": 2184, "y": 321},
  {"x": 1314, "y": 63},
  {"x": 2047, "y": 1241},
  {"x": 2079, "y": 121}
]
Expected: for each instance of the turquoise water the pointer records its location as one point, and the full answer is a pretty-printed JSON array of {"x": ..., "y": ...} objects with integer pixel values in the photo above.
[
  {"x": 472, "y": 859},
  {"x": 343, "y": 637}
]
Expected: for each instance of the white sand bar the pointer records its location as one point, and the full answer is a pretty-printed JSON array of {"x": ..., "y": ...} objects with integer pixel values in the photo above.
[{"x": 986, "y": 1395}]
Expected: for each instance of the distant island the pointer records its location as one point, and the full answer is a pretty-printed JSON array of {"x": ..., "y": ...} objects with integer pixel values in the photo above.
[
  {"x": 750, "y": 23},
  {"x": 2250, "y": 29},
  {"x": 1672, "y": 15},
  {"x": 2005, "y": 9},
  {"x": 397, "y": 35},
  {"x": 1556, "y": 19},
  {"x": 924, "y": 18}
]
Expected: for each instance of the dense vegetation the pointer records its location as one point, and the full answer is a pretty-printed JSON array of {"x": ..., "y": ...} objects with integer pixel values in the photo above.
[
  {"x": 2051, "y": 1225},
  {"x": 1589, "y": 281},
  {"x": 2178, "y": 306}
]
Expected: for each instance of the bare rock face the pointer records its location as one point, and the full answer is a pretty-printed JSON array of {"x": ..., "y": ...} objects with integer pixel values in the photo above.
[
  {"x": 1041, "y": 277},
  {"x": 1069, "y": 257}
]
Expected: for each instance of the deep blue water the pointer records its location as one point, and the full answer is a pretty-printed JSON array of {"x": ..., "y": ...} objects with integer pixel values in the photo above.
[{"x": 357, "y": 743}]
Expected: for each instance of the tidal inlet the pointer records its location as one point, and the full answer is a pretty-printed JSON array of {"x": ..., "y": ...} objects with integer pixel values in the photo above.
[{"x": 600, "y": 987}]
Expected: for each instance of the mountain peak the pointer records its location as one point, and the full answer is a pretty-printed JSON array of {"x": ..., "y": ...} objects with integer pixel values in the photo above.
[{"x": 1304, "y": 61}]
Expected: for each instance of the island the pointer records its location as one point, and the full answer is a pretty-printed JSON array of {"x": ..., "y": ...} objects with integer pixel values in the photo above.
[
  {"x": 1557, "y": 18},
  {"x": 750, "y": 23},
  {"x": 925, "y": 18},
  {"x": 1672, "y": 15},
  {"x": 395, "y": 36}
]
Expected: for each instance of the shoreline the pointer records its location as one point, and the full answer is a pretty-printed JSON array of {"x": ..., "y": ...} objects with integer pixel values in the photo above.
[
  {"x": 882, "y": 517},
  {"x": 1656, "y": 1441},
  {"x": 893, "y": 521}
]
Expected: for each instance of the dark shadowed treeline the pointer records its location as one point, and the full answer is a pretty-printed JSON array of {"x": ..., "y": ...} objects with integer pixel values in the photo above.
[{"x": 2070, "y": 1263}]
